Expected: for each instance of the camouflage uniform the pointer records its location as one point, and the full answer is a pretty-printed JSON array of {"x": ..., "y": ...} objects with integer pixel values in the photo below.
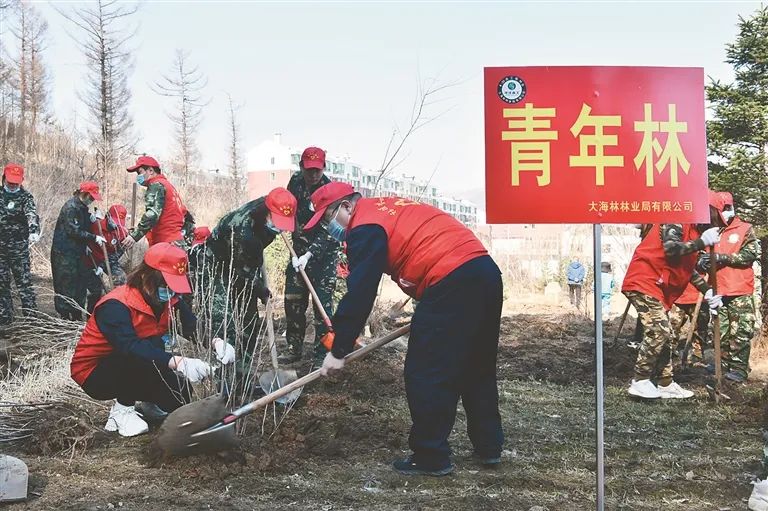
[
  {"x": 654, "y": 358},
  {"x": 70, "y": 274},
  {"x": 737, "y": 315},
  {"x": 18, "y": 219},
  {"x": 321, "y": 270},
  {"x": 681, "y": 316},
  {"x": 154, "y": 202},
  {"x": 239, "y": 238}
]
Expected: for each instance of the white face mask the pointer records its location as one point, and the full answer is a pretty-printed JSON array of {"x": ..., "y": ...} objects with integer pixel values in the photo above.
[{"x": 728, "y": 214}]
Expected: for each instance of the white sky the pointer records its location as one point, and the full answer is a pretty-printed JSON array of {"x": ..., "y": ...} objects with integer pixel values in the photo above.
[{"x": 340, "y": 75}]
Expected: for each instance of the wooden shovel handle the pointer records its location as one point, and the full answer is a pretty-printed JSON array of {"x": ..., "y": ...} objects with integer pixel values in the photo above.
[{"x": 315, "y": 298}]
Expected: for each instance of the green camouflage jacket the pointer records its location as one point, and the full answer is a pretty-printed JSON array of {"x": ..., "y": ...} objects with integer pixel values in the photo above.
[
  {"x": 317, "y": 240},
  {"x": 18, "y": 215}
]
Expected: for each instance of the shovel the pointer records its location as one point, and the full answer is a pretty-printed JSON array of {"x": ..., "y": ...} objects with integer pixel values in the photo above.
[
  {"x": 277, "y": 378},
  {"x": 196, "y": 427},
  {"x": 715, "y": 390}
]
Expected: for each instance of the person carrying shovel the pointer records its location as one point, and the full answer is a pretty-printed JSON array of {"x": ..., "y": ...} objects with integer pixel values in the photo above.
[
  {"x": 121, "y": 355},
  {"x": 112, "y": 227},
  {"x": 455, "y": 329},
  {"x": 735, "y": 254},
  {"x": 660, "y": 269}
]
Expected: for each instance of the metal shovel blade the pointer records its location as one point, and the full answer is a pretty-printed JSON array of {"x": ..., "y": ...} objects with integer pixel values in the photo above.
[
  {"x": 274, "y": 380},
  {"x": 175, "y": 437},
  {"x": 14, "y": 477}
]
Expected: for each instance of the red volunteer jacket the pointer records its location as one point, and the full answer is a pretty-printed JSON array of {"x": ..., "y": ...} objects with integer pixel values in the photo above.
[
  {"x": 93, "y": 346},
  {"x": 424, "y": 244},
  {"x": 169, "y": 225},
  {"x": 650, "y": 273},
  {"x": 114, "y": 237}
]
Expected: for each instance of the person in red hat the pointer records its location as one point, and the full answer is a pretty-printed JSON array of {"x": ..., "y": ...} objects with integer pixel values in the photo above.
[
  {"x": 112, "y": 227},
  {"x": 230, "y": 263},
  {"x": 317, "y": 253},
  {"x": 121, "y": 352},
  {"x": 68, "y": 251},
  {"x": 455, "y": 329},
  {"x": 163, "y": 218},
  {"x": 735, "y": 254},
  {"x": 19, "y": 227},
  {"x": 661, "y": 267}
]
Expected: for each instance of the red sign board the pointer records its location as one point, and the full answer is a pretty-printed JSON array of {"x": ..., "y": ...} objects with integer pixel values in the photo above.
[{"x": 595, "y": 145}]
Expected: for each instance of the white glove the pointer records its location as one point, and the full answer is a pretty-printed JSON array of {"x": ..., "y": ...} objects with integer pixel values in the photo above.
[
  {"x": 331, "y": 364},
  {"x": 194, "y": 369},
  {"x": 34, "y": 238},
  {"x": 100, "y": 240},
  {"x": 98, "y": 271},
  {"x": 300, "y": 263},
  {"x": 225, "y": 353},
  {"x": 711, "y": 236},
  {"x": 714, "y": 301}
]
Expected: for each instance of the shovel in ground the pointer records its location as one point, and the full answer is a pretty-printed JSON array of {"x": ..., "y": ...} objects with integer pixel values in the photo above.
[
  {"x": 204, "y": 426},
  {"x": 277, "y": 378}
]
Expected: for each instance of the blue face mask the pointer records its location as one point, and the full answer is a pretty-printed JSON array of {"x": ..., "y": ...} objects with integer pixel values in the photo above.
[
  {"x": 269, "y": 225},
  {"x": 335, "y": 229},
  {"x": 164, "y": 294},
  {"x": 140, "y": 178},
  {"x": 11, "y": 191}
]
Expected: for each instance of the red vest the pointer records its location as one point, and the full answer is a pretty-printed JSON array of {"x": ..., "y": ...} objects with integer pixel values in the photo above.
[
  {"x": 734, "y": 281},
  {"x": 93, "y": 346},
  {"x": 650, "y": 273},
  {"x": 690, "y": 296},
  {"x": 114, "y": 238},
  {"x": 424, "y": 244},
  {"x": 169, "y": 225}
]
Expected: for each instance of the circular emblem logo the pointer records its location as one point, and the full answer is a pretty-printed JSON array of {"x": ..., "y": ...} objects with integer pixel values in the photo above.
[
  {"x": 511, "y": 89},
  {"x": 733, "y": 238}
]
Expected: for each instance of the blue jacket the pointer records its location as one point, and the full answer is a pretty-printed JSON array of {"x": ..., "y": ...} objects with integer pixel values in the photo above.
[{"x": 576, "y": 273}]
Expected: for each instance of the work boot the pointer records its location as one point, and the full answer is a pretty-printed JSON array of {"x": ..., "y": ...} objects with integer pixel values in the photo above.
[
  {"x": 758, "y": 501},
  {"x": 644, "y": 389},
  {"x": 150, "y": 411},
  {"x": 126, "y": 421},
  {"x": 487, "y": 461},
  {"x": 411, "y": 468},
  {"x": 674, "y": 391},
  {"x": 735, "y": 376}
]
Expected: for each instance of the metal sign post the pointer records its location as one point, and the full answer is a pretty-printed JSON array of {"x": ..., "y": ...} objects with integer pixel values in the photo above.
[{"x": 599, "y": 390}]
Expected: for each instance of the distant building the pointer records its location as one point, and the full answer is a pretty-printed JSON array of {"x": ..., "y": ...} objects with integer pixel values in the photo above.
[{"x": 271, "y": 164}]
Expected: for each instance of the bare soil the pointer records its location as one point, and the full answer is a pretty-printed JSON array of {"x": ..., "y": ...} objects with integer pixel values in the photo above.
[{"x": 334, "y": 449}]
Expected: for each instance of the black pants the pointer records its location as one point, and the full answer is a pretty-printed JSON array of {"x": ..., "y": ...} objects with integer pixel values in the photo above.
[
  {"x": 451, "y": 354},
  {"x": 129, "y": 379}
]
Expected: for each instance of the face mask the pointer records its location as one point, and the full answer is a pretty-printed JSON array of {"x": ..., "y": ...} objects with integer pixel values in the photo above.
[
  {"x": 335, "y": 229},
  {"x": 728, "y": 214},
  {"x": 140, "y": 178},
  {"x": 88, "y": 200},
  {"x": 11, "y": 191},
  {"x": 164, "y": 294},
  {"x": 269, "y": 225}
]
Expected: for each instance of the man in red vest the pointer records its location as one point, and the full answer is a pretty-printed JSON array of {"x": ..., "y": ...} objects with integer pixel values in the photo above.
[
  {"x": 660, "y": 269},
  {"x": 737, "y": 250},
  {"x": 163, "y": 218},
  {"x": 455, "y": 329}
]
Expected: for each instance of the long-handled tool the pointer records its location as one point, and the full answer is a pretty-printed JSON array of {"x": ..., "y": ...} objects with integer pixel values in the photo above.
[
  {"x": 104, "y": 251},
  {"x": 189, "y": 429},
  {"x": 621, "y": 323},
  {"x": 315, "y": 298},
  {"x": 277, "y": 378},
  {"x": 691, "y": 330},
  {"x": 716, "y": 391},
  {"x": 106, "y": 284}
]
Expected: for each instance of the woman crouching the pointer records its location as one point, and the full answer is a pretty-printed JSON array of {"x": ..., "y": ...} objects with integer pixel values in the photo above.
[{"x": 121, "y": 353}]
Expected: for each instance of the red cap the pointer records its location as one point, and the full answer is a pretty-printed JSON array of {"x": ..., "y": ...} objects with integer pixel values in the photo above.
[
  {"x": 716, "y": 201},
  {"x": 201, "y": 234},
  {"x": 313, "y": 158},
  {"x": 13, "y": 173},
  {"x": 282, "y": 204},
  {"x": 91, "y": 188},
  {"x": 172, "y": 262},
  {"x": 144, "y": 161},
  {"x": 727, "y": 198},
  {"x": 118, "y": 213},
  {"x": 325, "y": 196}
]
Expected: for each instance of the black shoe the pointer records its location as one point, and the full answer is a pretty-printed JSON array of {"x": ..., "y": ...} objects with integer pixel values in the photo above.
[
  {"x": 411, "y": 468},
  {"x": 487, "y": 461}
]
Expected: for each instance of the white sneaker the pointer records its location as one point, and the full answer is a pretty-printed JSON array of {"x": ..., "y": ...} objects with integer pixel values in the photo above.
[
  {"x": 674, "y": 391},
  {"x": 125, "y": 420},
  {"x": 644, "y": 389},
  {"x": 758, "y": 501}
]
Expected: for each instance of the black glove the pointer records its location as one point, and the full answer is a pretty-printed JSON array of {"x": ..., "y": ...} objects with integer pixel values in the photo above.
[{"x": 704, "y": 264}]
